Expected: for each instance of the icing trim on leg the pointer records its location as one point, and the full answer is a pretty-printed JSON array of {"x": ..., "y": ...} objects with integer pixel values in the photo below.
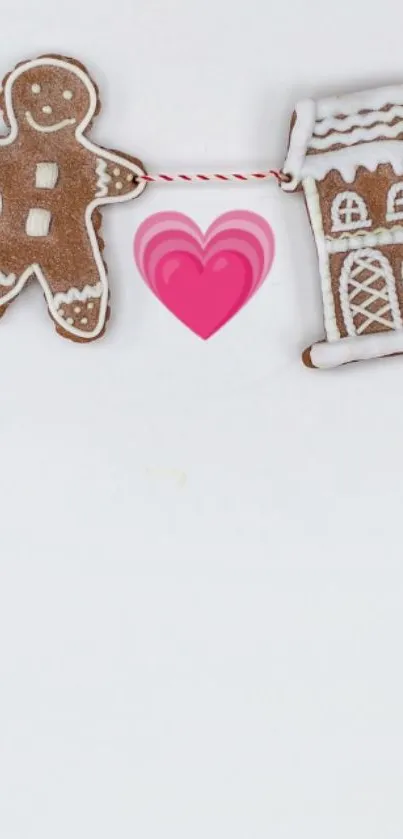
[
  {"x": 78, "y": 308},
  {"x": 99, "y": 291},
  {"x": 81, "y": 295}
]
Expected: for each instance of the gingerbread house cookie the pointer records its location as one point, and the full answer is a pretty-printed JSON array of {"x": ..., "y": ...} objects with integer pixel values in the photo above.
[
  {"x": 53, "y": 181},
  {"x": 346, "y": 153}
]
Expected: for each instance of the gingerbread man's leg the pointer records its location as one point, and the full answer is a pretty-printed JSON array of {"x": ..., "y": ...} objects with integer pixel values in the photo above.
[{"x": 76, "y": 288}]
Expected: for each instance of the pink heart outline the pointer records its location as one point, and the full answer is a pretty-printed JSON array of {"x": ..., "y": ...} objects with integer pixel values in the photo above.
[{"x": 229, "y": 263}]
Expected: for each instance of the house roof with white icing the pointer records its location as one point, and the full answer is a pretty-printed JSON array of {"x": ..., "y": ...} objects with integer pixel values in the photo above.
[{"x": 345, "y": 132}]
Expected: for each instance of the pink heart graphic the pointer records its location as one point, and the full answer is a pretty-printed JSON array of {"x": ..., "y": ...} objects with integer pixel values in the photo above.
[{"x": 204, "y": 279}]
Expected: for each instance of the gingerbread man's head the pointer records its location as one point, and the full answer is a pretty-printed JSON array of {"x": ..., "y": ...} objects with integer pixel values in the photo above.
[{"x": 49, "y": 96}]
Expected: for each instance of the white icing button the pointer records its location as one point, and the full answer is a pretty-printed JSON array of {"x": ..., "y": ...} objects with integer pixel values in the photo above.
[
  {"x": 84, "y": 320},
  {"x": 90, "y": 305},
  {"x": 47, "y": 109},
  {"x": 119, "y": 185},
  {"x": 77, "y": 310},
  {"x": 38, "y": 222},
  {"x": 70, "y": 321},
  {"x": 36, "y": 88},
  {"x": 116, "y": 171},
  {"x": 68, "y": 94},
  {"x": 46, "y": 175},
  {"x": 129, "y": 177}
]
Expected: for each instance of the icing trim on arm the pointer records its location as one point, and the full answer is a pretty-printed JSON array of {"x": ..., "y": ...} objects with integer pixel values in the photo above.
[{"x": 103, "y": 178}]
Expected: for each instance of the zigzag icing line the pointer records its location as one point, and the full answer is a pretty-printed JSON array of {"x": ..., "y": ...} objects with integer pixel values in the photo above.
[
  {"x": 359, "y": 135},
  {"x": 103, "y": 178},
  {"x": 356, "y": 120},
  {"x": 87, "y": 293}
]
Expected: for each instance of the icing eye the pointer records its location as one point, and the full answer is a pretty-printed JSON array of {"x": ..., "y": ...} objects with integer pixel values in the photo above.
[
  {"x": 36, "y": 88},
  {"x": 67, "y": 94}
]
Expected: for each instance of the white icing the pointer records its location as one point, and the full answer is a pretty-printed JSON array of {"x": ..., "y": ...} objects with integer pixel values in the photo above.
[
  {"x": 36, "y": 88},
  {"x": 359, "y": 135},
  {"x": 394, "y": 202},
  {"x": 360, "y": 270},
  {"x": 86, "y": 293},
  {"x": 138, "y": 186},
  {"x": 68, "y": 94},
  {"x": 312, "y": 200},
  {"x": 119, "y": 185},
  {"x": 47, "y": 109},
  {"x": 344, "y": 124},
  {"x": 38, "y": 222},
  {"x": 300, "y": 136},
  {"x": 366, "y": 100},
  {"x": 325, "y": 355},
  {"x": 7, "y": 279},
  {"x": 346, "y": 207},
  {"x": 311, "y": 123},
  {"x": 103, "y": 178},
  {"x": 378, "y": 237},
  {"x": 47, "y": 129},
  {"x": 347, "y": 160},
  {"x": 46, "y": 175}
]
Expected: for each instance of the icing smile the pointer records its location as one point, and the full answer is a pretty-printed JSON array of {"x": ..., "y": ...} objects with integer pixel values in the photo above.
[{"x": 47, "y": 129}]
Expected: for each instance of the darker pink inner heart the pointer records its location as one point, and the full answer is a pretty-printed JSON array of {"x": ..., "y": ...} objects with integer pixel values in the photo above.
[{"x": 203, "y": 296}]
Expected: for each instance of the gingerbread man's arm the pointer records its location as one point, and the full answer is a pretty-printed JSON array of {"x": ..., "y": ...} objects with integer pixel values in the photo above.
[{"x": 116, "y": 175}]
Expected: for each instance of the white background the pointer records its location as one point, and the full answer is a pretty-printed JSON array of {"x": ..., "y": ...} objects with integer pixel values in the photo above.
[{"x": 201, "y": 543}]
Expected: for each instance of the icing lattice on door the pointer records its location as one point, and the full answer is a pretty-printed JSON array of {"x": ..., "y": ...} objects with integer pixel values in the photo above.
[{"x": 368, "y": 294}]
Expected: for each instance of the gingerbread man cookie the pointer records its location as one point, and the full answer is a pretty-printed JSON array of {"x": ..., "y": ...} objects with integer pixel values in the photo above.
[{"x": 53, "y": 180}]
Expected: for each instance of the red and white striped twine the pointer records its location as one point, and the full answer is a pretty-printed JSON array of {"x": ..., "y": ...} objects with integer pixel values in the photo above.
[{"x": 232, "y": 176}]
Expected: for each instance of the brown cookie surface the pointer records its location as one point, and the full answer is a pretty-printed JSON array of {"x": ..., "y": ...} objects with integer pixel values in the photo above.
[
  {"x": 53, "y": 180},
  {"x": 346, "y": 153}
]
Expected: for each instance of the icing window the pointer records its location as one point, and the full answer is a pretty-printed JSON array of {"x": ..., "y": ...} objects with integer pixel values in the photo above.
[
  {"x": 349, "y": 212},
  {"x": 394, "y": 206}
]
